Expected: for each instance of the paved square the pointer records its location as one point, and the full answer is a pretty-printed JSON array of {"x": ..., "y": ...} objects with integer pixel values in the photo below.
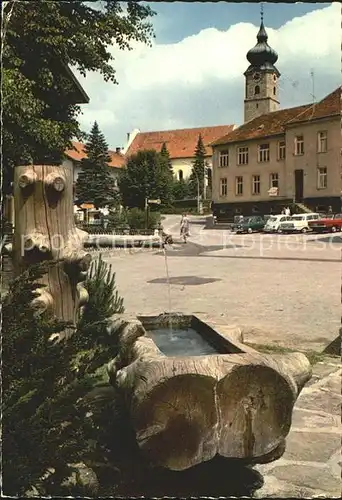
[{"x": 285, "y": 289}]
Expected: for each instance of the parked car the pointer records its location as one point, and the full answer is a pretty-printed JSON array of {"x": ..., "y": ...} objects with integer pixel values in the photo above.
[
  {"x": 298, "y": 223},
  {"x": 252, "y": 224},
  {"x": 327, "y": 224},
  {"x": 273, "y": 223}
]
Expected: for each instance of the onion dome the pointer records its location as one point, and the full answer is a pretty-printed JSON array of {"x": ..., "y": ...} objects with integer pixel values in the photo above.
[{"x": 262, "y": 54}]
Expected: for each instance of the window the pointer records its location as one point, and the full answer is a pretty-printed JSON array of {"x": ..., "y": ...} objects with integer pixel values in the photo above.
[
  {"x": 180, "y": 175},
  {"x": 263, "y": 152},
  {"x": 242, "y": 156},
  {"x": 299, "y": 145},
  {"x": 224, "y": 158},
  {"x": 281, "y": 150},
  {"x": 257, "y": 90},
  {"x": 223, "y": 187},
  {"x": 274, "y": 91},
  {"x": 256, "y": 184},
  {"x": 322, "y": 178},
  {"x": 322, "y": 146},
  {"x": 274, "y": 180},
  {"x": 239, "y": 185}
]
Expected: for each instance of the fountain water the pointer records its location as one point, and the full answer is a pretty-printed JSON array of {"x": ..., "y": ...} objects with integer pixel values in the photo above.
[
  {"x": 169, "y": 294},
  {"x": 167, "y": 278}
]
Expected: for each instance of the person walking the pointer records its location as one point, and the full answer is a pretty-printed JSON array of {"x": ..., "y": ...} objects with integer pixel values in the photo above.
[
  {"x": 287, "y": 211},
  {"x": 184, "y": 227}
]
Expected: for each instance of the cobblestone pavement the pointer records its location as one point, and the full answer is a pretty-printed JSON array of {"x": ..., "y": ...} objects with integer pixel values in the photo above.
[
  {"x": 311, "y": 464},
  {"x": 287, "y": 294}
]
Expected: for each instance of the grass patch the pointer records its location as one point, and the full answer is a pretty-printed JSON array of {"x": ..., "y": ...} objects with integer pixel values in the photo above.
[{"x": 313, "y": 356}]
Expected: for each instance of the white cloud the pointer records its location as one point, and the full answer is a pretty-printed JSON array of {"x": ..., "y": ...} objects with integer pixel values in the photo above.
[{"x": 199, "y": 81}]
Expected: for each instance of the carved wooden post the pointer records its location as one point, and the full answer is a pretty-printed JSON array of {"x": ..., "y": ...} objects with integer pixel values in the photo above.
[{"x": 45, "y": 230}]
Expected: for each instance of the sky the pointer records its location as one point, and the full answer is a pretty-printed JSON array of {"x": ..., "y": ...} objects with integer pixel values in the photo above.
[{"x": 192, "y": 76}]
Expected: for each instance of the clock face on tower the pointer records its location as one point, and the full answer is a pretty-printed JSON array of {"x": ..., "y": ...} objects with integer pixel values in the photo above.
[{"x": 256, "y": 77}]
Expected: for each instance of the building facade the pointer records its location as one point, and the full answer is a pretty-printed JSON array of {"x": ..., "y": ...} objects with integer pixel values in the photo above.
[{"x": 278, "y": 157}]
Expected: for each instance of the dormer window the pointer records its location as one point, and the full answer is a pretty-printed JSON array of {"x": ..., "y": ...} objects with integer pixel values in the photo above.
[{"x": 256, "y": 90}]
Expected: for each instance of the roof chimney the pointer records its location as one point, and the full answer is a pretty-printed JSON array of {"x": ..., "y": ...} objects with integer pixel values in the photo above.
[
  {"x": 118, "y": 150},
  {"x": 128, "y": 136}
]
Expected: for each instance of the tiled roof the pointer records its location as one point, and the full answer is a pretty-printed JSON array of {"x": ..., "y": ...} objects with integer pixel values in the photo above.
[
  {"x": 329, "y": 106},
  {"x": 180, "y": 143},
  {"x": 275, "y": 123},
  {"x": 77, "y": 154}
]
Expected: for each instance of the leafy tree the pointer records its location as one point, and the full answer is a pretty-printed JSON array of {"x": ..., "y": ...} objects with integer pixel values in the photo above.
[
  {"x": 49, "y": 387},
  {"x": 166, "y": 156},
  {"x": 95, "y": 183},
  {"x": 40, "y": 39},
  {"x": 181, "y": 189},
  {"x": 199, "y": 167},
  {"x": 146, "y": 176}
]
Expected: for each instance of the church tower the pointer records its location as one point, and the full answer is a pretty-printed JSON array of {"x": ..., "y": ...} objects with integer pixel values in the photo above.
[{"x": 261, "y": 89}]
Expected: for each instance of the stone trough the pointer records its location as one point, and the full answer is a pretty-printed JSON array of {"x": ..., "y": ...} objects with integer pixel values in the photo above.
[{"x": 206, "y": 394}]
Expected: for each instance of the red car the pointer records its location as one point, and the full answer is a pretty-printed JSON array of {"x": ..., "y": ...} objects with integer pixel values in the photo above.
[{"x": 327, "y": 224}]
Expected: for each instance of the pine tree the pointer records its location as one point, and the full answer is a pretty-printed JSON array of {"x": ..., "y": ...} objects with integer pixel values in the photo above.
[
  {"x": 164, "y": 152},
  {"x": 95, "y": 183},
  {"x": 198, "y": 172},
  {"x": 49, "y": 387}
]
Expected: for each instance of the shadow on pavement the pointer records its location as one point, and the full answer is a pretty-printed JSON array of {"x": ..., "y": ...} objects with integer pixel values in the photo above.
[
  {"x": 329, "y": 239},
  {"x": 193, "y": 249},
  {"x": 185, "y": 280}
]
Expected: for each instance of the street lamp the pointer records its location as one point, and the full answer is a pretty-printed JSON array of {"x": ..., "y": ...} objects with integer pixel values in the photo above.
[{"x": 198, "y": 192}]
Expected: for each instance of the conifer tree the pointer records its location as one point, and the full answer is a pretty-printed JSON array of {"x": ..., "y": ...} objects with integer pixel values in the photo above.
[
  {"x": 95, "y": 183},
  {"x": 46, "y": 423},
  {"x": 164, "y": 152},
  {"x": 198, "y": 168}
]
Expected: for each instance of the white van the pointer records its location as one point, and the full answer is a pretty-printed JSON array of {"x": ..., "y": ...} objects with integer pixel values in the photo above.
[
  {"x": 273, "y": 223},
  {"x": 299, "y": 223}
]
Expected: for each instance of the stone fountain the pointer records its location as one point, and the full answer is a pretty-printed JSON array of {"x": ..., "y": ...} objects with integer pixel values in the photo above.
[{"x": 229, "y": 401}]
